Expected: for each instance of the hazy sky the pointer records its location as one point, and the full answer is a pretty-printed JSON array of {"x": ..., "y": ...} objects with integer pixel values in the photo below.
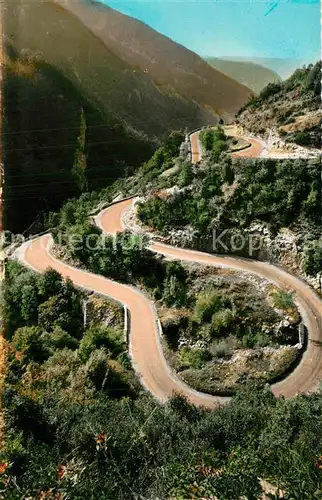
[{"x": 284, "y": 28}]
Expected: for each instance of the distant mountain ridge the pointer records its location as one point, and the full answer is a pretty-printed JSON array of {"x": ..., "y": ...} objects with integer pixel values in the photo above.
[
  {"x": 253, "y": 75},
  {"x": 172, "y": 67},
  {"x": 284, "y": 67},
  {"x": 80, "y": 65},
  {"x": 150, "y": 82}
]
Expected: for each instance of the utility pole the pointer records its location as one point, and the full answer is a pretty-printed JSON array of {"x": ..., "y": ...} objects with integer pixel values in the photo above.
[{"x": 85, "y": 312}]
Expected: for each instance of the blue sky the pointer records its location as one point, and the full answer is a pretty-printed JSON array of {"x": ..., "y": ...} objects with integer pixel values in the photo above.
[{"x": 246, "y": 28}]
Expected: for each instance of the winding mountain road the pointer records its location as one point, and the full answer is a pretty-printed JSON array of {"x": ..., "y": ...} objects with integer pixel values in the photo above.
[
  {"x": 254, "y": 151},
  {"x": 145, "y": 347}
]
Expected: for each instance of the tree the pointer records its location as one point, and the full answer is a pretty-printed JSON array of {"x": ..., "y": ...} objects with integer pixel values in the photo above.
[
  {"x": 186, "y": 175},
  {"x": 29, "y": 302},
  {"x": 313, "y": 202},
  {"x": 27, "y": 340},
  {"x": 98, "y": 336},
  {"x": 313, "y": 80},
  {"x": 219, "y": 147},
  {"x": 50, "y": 283},
  {"x": 302, "y": 138},
  {"x": 20, "y": 297},
  {"x": 312, "y": 261},
  {"x": 228, "y": 174},
  {"x": 207, "y": 139},
  {"x": 79, "y": 167},
  {"x": 59, "y": 339},
  {"x": 174, "y": 286},
  {"x": 63, "y": 311}
]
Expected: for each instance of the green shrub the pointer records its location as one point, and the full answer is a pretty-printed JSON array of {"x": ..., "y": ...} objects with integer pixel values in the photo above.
[
  {"x": 59, "y": 339},
  {"x": 221, "y": 321},
  {"x": 254, "y": 339},
  {"x": 208, "y": 303},
  {"x": 214, "y": 140},
  {"x": 283, "y": 300},
  {"x": 302, "y": 138},
  {"x": 28, "y": 340},
  {"x": 193, "y": 358},
  {"x": 312, "y": 261},
  {"x": 98, "y": 336}
]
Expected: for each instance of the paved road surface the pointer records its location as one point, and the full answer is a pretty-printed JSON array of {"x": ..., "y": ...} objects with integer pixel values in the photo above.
[
  {"x": 307, "y": 375},
  {"x": 145, "y": 348},
  {"x": 195, "y": 147},
  {"x": 254, "y": 151}
]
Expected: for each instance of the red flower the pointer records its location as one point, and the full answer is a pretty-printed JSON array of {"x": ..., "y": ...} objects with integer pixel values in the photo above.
[
  {"x": 3, "y": 467},
  {"x": 61, "y": 471},
  {"x": 100, "y": 438},
  {"x": 209, "y": 471}
]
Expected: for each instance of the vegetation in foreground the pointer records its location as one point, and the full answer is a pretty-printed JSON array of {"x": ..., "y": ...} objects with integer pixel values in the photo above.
[{"x": 79, "y": 426}]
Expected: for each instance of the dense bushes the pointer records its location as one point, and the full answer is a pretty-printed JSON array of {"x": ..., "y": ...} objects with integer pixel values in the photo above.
[
  {"x": 98, "y": 336},
  {"x": 302, "y": 138},
  {"x": 47, "y": 300},
  {"x": 162, "y": 159},
  {"x": 214, "y": 140},
  {"x": 126, "y": 449},
  {"x": 275, "y": 192},
  {"x": 312, "y": 261}
]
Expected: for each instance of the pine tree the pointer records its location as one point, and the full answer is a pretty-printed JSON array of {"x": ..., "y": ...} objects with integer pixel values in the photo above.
[{"x": 80, "y": 158}]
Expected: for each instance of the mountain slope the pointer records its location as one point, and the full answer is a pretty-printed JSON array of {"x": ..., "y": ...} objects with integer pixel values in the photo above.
[
  {"x": 292, "y": 108},
  {"x": 254, "y": 76},
  {"x": 44, "y": 117},
  {"x": 149, "y": 82},
  {"x": 56, "y": 36},
  {"x": 284, "y": 67},
  {"x": 170, "y": 65},
  {"x": 61, "y": 70}
]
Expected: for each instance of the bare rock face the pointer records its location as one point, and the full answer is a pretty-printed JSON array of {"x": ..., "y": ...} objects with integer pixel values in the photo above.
[{"x": 184, "y": 237}]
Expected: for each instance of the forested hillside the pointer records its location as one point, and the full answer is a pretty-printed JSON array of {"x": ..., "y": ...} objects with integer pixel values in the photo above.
[
  {"x": 74, "y": 92},
  {"x": 48, "y": 123},
  {"x": 291, "y": 107}
]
